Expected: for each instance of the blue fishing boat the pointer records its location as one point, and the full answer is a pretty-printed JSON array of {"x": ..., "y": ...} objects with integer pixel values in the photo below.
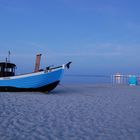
[{"x": 43, "y": 80}]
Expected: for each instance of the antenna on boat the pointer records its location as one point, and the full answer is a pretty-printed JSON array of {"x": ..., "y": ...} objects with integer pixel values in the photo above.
[
  {"x": 9, "y": 53},
  {"x": 37, "y": 63},
  {"x": 6, "y": 60}
]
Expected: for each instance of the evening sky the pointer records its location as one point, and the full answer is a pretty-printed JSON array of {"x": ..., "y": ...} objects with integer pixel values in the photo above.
[{"x": 99, "y": 36}]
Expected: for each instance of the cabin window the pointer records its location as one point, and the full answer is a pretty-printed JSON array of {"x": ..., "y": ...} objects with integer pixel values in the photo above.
[
  {"x": 8, "y": 70},
  {"x": 1, "y": 69}
]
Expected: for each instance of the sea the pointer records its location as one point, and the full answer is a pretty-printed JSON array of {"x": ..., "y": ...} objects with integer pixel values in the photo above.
[
  {"x": 86, "y": 79},
  {"x": 73, "y": 111}
]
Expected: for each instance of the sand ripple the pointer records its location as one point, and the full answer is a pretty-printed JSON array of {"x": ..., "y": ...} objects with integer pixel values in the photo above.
[{"x": 88, "y": 112}]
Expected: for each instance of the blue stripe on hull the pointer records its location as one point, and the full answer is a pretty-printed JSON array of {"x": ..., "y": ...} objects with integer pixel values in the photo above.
[{"x": 34, "y": 81}]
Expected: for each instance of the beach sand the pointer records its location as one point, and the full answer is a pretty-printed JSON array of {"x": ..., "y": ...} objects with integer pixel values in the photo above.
[{"x": 72, "y": 112}]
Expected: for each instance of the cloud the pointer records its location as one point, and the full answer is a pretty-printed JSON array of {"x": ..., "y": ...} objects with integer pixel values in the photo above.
[
  {"x": 102, "y": 50},
  {"x": 109, "y": 50}
]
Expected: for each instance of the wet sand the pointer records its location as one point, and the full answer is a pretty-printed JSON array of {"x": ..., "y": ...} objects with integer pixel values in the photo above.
[{"x": 72, "y": 112}]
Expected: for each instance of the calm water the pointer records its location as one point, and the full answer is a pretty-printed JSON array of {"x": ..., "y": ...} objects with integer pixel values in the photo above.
[
  {"x": 87, "y": 79},
  {"x": 97, "y": 79},
  {"x": 72, "y": 112}
]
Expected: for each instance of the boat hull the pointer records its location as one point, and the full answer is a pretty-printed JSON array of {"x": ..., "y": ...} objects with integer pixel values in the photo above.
[
  {"x": 46, "y": 88},
  {"x": 43, "y": 81}
]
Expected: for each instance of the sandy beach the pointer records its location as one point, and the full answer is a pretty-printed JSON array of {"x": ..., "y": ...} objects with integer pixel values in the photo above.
[{"x": 72, "y": 112}]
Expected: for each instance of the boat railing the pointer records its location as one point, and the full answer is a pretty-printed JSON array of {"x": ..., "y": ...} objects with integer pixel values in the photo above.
[{"x": 49, "y": 68}]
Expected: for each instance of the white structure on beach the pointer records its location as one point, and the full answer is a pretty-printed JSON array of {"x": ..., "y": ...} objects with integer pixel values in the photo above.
[
  {"x": 119, "y": 79},
  {"x": 125, "y": 79}
]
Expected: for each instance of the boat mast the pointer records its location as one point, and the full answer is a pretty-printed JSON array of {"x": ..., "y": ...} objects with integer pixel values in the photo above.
[
  {"x": 37, "y": 63},
  {"x": 9, "y": 53}
]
